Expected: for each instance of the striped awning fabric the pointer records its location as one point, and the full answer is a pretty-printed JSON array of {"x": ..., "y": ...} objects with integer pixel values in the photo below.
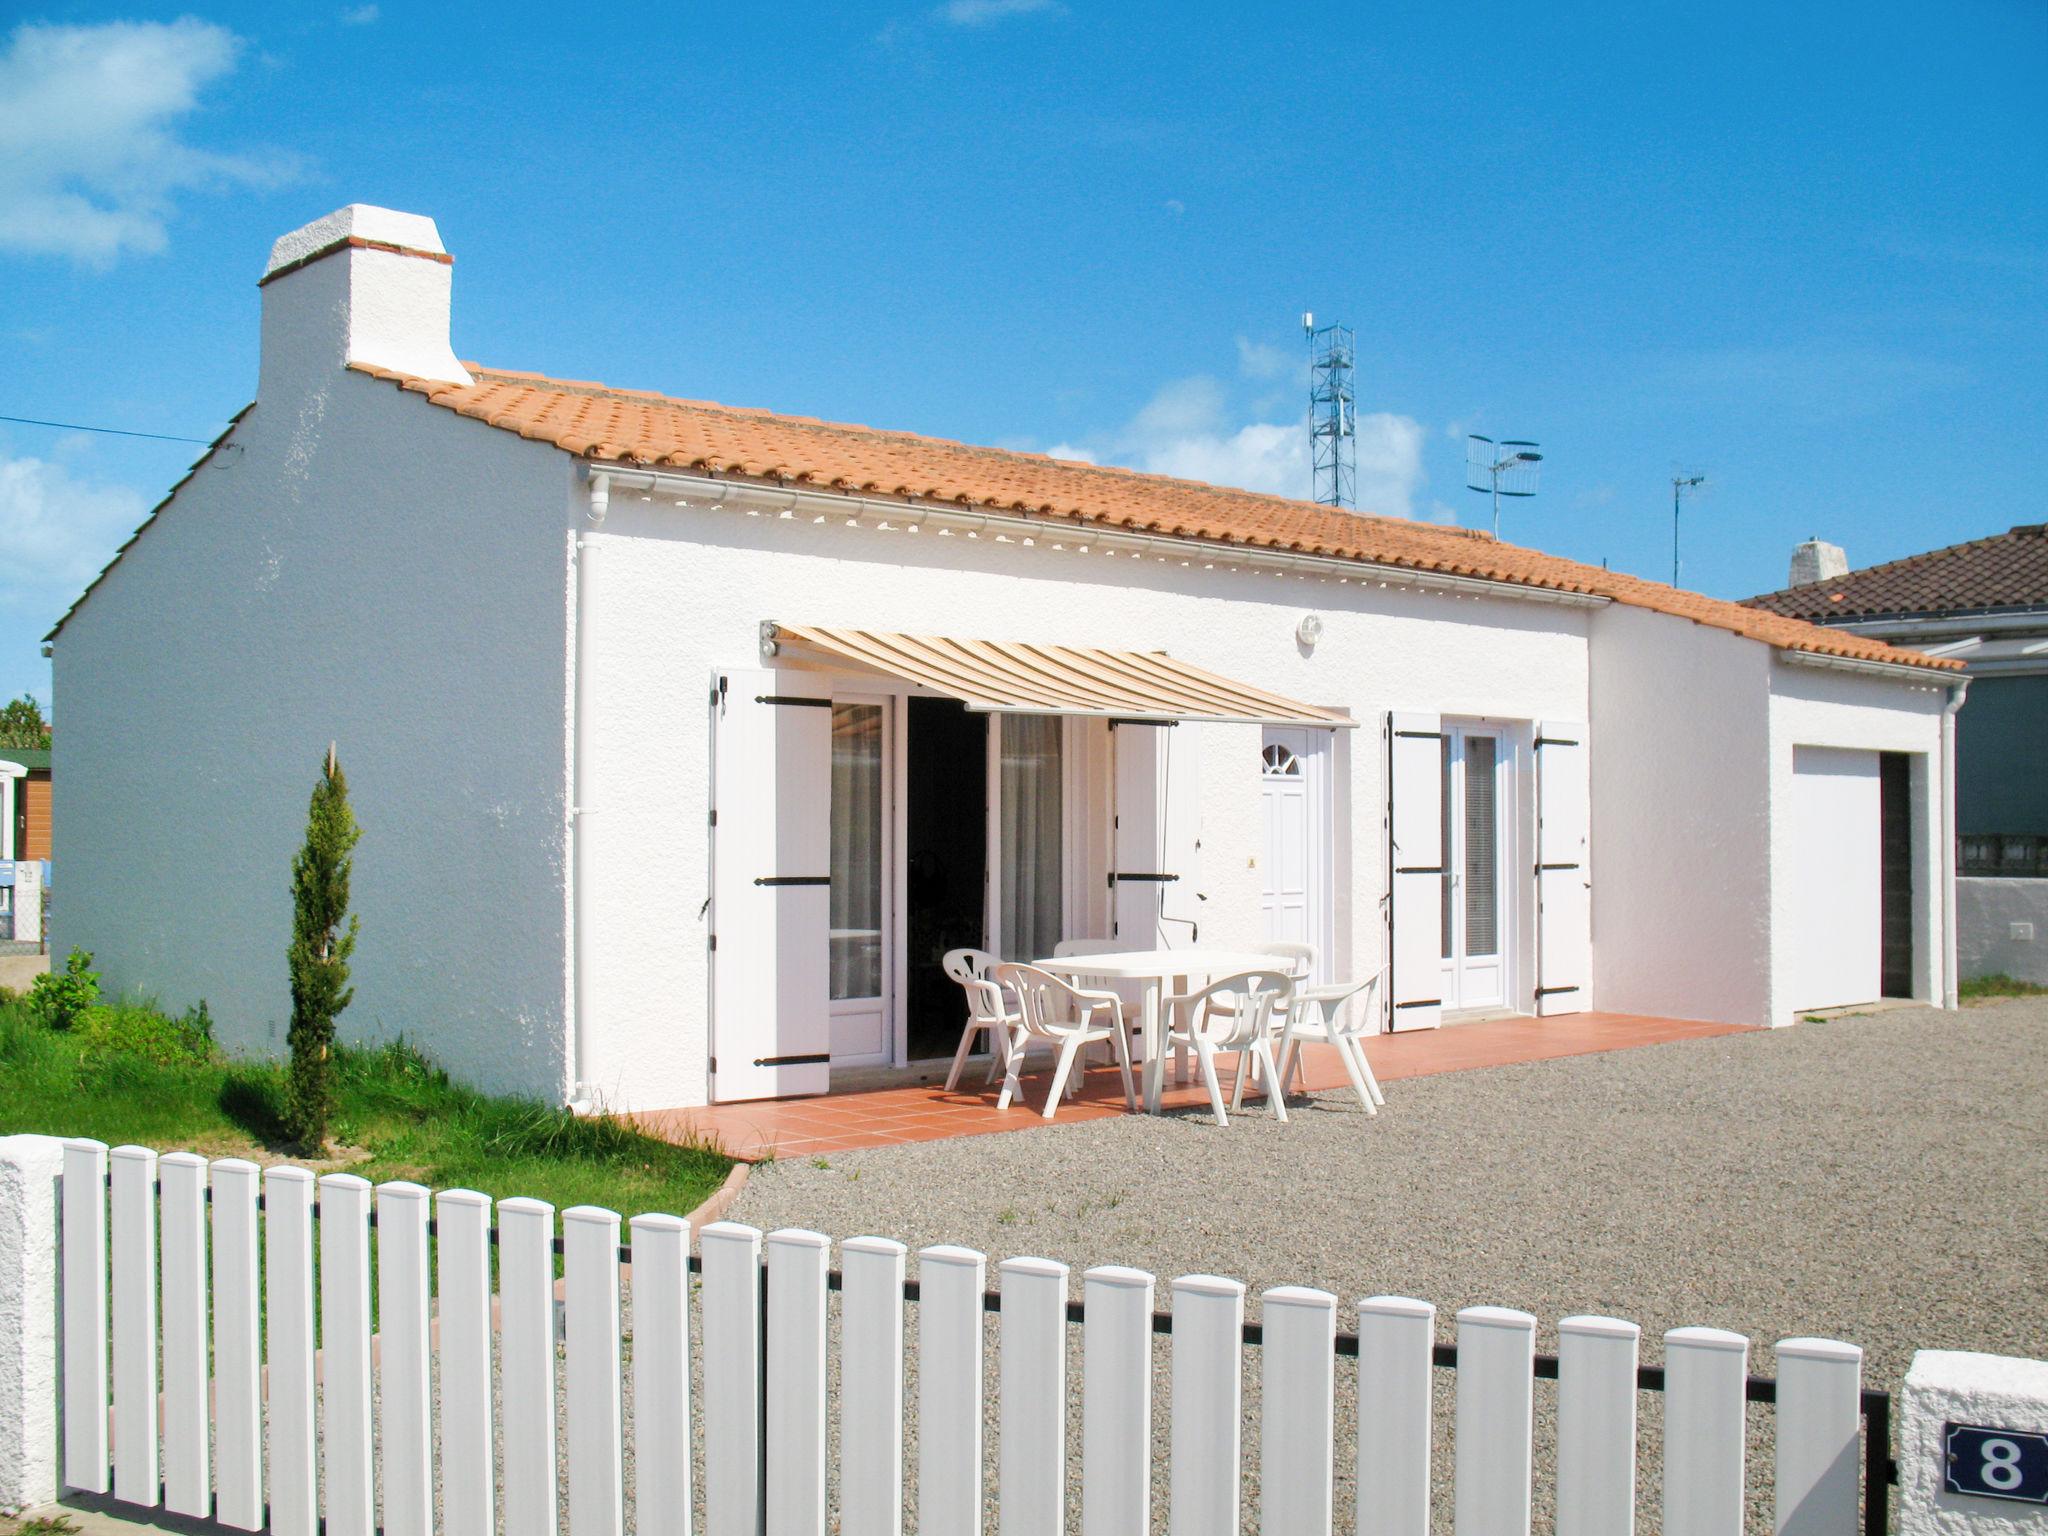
[{"x": 1032, "y": 678}]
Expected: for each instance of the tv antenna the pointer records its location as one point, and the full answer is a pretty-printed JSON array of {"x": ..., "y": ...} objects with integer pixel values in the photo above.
[
  {"x": 1332, "y": 413},
  {"x": 1505, "y": 468},
  {"x": 1680, "y": 484}
]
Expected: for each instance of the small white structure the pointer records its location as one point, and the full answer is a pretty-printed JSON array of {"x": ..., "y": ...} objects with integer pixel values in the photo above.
[{"x": 686, "y": 738}]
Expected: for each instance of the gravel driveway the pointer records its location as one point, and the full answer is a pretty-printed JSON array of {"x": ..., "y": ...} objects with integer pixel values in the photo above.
[{"x": 1881, "y": 1179}]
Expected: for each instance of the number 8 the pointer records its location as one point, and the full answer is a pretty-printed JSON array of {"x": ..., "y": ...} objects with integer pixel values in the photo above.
[{"x": 2001, "y": 1466}]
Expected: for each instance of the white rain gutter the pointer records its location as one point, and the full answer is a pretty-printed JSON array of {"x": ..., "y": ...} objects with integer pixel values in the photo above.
[
  {"x": 1897, "y": 671},
  {"x": 581, "y": 1099},
  {"x": 693, "y": 490},
  {"x": 1950, "y": 984}
]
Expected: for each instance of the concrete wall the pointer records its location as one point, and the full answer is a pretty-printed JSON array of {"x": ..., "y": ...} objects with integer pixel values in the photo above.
[
  {"x": 676, "y": 592},
  {"x": 364, "y": 568},
  {"x": 1992, "y": 917},
  {"x": 1680, "y": 827},
  {"x": 1812, "y": 707}
]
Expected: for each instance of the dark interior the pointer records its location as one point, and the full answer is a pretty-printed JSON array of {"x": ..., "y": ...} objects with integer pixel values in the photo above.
[
  {"x": 947, "y": 811},
  {"x": 1895, "y": 818}
]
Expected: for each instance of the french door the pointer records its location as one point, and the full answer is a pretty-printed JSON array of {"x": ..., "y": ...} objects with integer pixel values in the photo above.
[
  {"x": 861, "y": 930},
  {"x": 1477, "y": 795},
  {"x": 1293, "y": 898}
]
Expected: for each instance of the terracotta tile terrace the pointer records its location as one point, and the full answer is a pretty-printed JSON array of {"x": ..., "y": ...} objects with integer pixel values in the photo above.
[{"x": 881, "y": 1117}]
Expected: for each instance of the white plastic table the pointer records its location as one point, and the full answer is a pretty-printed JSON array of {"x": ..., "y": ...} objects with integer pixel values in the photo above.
[{"x": 1152, "y": 969}]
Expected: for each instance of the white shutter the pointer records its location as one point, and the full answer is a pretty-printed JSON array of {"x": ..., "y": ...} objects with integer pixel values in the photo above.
[
  {"x": 771, "y": 798},
  {"x": 1156, "y": 875},
  {"x": 1564, "y": 882},
  {"x": 1415, "y": 789}
]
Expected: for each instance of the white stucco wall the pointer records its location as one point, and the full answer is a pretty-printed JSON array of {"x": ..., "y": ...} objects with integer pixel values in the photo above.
[
  {"x": 364, "y": 568},
  {"x": 676, "y": 593},
  {"x": 1812, "y": 707},
  {"x": 1680, "y": 803}
]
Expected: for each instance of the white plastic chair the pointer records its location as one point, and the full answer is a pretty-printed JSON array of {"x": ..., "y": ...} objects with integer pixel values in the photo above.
[
  {"x": 985, "y": 1012},
  {"x": 1068, "y": 949},
  {"x": 1300, "y": 958},
  {"x": 1070, "y": 1018},
  {"x": 1342, "y": 1014},
  {"x": 1234, "y": 1014}
]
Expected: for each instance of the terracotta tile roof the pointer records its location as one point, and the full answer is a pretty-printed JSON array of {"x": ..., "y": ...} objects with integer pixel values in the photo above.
[
  {"x": 637, "y": 427},
  {"x": 2007, "y": 570}
]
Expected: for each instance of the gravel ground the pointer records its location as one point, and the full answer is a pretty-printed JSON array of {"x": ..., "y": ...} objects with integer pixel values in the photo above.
[{"x": 1881, "y": 1179}]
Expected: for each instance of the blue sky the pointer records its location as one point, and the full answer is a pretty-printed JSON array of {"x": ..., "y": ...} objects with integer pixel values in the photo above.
[{"x": 1802, "y": 249}]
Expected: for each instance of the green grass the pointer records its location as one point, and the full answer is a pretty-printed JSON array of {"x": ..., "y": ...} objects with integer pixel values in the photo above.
[
  {"x": 2001, "y": 986},
  {"x": 128, "y": 1074}
]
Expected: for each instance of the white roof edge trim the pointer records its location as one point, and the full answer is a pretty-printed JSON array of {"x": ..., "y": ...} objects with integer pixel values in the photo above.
[{"x": 741, "y": 493}]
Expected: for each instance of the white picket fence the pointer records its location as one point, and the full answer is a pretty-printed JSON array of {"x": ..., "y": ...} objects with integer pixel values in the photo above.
[{"x": 249, "y": 1446}]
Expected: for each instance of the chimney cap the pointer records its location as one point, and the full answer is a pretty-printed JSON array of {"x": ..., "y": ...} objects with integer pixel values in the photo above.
[{"x": 413, "y": 233}]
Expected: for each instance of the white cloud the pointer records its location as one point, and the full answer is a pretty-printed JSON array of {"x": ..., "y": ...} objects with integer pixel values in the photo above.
[
  {"x": 983, "y": 13},
  {"x": 1263, "y": 360},
  {"x": 1175, "y": 206},
  {"x": 91, "y": 162},
  {"x": 359, "y": 15},
  {"x": 1073, "y": 451},
  {"x": 57, "y": 529}
]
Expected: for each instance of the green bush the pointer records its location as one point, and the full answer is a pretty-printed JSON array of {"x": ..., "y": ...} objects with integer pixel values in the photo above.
[
  {"x": 139, "y": 1031},
  {"x": 61, "y": 998}
]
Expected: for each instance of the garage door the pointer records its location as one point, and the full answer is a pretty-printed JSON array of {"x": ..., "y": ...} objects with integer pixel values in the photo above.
[{"x": 1838, "y": 877}]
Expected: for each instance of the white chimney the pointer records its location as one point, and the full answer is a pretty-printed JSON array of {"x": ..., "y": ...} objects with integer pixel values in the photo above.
[
  {"x": 1817, "y": 560},
  {"x": 363, "y": 285}
]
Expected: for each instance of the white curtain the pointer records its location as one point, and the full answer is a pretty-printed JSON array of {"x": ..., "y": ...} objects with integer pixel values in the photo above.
[
  {"x": 1030, "y": 794},
  {"x": 856, "y": 850}
]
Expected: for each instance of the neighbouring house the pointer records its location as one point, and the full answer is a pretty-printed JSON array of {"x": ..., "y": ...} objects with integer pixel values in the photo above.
[
  {"x": 686, "y": 738},
  {"x": 24, "y": 832},
  {"x": 1983, "y": 604}
]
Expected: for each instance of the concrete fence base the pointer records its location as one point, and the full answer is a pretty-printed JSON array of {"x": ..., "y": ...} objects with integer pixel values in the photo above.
[
  {"x": 1976, "y": 1393},
  {"x": 31, "y": 1178}
]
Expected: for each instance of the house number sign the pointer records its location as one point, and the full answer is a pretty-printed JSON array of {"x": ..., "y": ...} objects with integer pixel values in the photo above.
[{"x": 1995, "y": 1463}]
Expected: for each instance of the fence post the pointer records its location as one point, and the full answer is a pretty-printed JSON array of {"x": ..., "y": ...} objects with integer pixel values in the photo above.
[
  {"x": 730, "y": 1313},
  {"x": 1820, "y": 1426},
  {"x": 526, "y": 1364},
  {"x": 462, "y": 1256},
  {"x": 1596, "y": 1426},
  {"x": 288, "y": 1349},
  {"x": 1495, "y": 1413},
  {"x": 1396, "y": 1343},
  {"x": 662, "y": 1487},
  {"x": 237, "y": 1345},
  {"x": 31, "y": 1191},
  {"x": 1297, "y": 1392},
  {"x": 1116, "y": 1401},
  {"x": 85, "y": 1316},
  {"x": 347, "y": 1462},
  {"x": 132, "y": 1196},
  {"x": 1032, "y": 1441},
  {"x": 590, "y": 1358},
  {"x": 1705, "y": 1370},
  {"x": 1204, "y": 1469},
  {"x": 181, "y": 1190},
  {"x": 949, "y": 1350},
  {"x": 1979, "y": 1395},
  {"x": 405, "y": 1418},
  {"x": 797, "y": 1263},
  {"x": 871, "y": 1387}
]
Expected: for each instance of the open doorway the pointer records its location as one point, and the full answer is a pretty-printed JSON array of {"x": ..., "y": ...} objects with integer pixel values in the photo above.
[
  {"x": 946, "y": 808},
  {"x": 1895, "y": 872}
]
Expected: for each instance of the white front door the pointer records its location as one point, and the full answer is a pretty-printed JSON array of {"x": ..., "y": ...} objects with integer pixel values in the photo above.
[
  {"x": 1838, "y": 844},
  {"x": 1291, "y": 785},
  {"x": 860, "y": 937},
  {"x": 1477, "y": 781}
]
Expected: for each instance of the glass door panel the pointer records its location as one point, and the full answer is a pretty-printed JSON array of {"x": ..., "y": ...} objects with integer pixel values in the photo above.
[
  {"x": 859, "y": 907},
  {"x": 1030, "y": 798},
  {"x": 1474, "y": 917}
]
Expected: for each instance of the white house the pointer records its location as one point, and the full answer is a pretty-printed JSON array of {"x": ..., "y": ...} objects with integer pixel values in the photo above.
[{"x": 685, "y": 738}]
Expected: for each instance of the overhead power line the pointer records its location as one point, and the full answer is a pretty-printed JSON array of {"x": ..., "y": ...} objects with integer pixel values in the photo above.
[{"x": 72, "y": 426}]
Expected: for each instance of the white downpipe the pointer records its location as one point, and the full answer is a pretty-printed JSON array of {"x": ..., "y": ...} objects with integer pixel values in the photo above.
[
  {"x": 581, "y": 1097},
  {"x": 1950, "y": 982}
]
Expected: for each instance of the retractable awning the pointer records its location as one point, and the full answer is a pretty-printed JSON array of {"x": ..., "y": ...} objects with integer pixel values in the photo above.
[{"x": 1022, "y": 678}]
